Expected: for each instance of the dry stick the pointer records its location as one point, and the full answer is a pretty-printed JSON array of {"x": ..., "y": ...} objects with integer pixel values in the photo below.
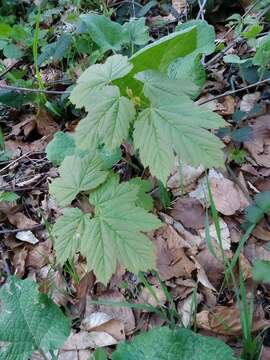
[
  {"x": 23, "y": 89},
  {"x": 201, "y": 11},
  {"x": 235, "y": 91},
  {"x": 15, "y": 231}
]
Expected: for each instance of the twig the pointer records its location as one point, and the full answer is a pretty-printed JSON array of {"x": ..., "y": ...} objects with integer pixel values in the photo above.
[
  {"x": 14, "y": 162},
  {"x": 235, "y": 91},
  {"x": 201, "y": 11},
  {"x": 9, "y": 68},
  {"x": 15, "y": 231},
  {"x": 23, "y": 89}
]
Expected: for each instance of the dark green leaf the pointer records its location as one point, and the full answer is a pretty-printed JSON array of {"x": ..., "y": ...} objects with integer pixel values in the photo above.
[{"x": 261, "y": 271}]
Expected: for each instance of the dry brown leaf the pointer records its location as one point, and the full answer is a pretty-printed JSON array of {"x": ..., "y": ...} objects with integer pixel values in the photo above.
[
  {"x": 255, "y": 249},
  {"x": 226, "y": 320},
  {"x": 228, "y": 105},
  {"x": 74, "y": 355},
  {"x": 171, "y": 258},
  {"x": 46, "y": 126},
  {"x": 224, "y": 234},
  {"x": 20, "y": 221},
  {"x": 189, "y": 175},
  {"x": 84, "y": 340},
  {"x": 119, "y": 313},
  {"x": 40, "y": 255},
  {"x": 259, "y": 145},
  {"x": 148, "y": 298},
  {"x": 265, "y": 355},
  {"x": 186, "y": 309},
  {"x": 213, "y": 267},
  {"x": 190, "y": 212},
  {"x": 19, "y": 261},
  {"x": 227, "y": 196},
  {"x": 27, "y": 236},
  {"x": 249, "y": 101}
]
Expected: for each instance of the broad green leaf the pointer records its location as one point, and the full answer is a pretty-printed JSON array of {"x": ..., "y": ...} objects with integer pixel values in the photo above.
[
  {"x": 171, "y": 125},
  {"x": 12, "y": 51},
  {"x": 205, "y": 35},
  {"x": 157, "y": 85},
  {"x": 61, "y": 146},
  {"x": 56, "y": 50},
  {"x": 136, "y": 32},
  {"x": 113, "y": 235},
  {"x": 108, "y": 120},
  {"x": 261, "y": 271},
  {"x": 116, "y": 231},
  {"x": 262, "y": 200},
  {"x": 144, "y": 200},
  {"x": 180, "y": 344},
  {"x": 69, "y": 230},
  {"x": 109, "y": 158},
  {"x": 189, "y": 67},
  {"x": 97, "y": 76},
  {"x": 255, "y": 212},
  {"x": 29, "y": 321},
  {"x": 161, "y": 53},
  {"x": 234, "y": 59},
  {"x": 105, "y": 33},
  {"x": 5, "y": 31},
  {"x": 8, "y": 196},
  {"x": 99, "y": 354},
  {"x": 77, "y": 174}
]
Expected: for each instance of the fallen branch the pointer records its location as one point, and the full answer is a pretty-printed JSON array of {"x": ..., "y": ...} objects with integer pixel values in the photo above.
[{"x": 23, "y": 89}]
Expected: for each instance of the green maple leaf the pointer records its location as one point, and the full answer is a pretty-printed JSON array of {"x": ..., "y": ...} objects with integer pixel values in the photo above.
[
  {"x": 61, "y": 145},
  {"x": 144, "y": 200},
  {"x": 108, "y": 119},
  {"x": 29, "y": 321},
  {"x": 113, "y": 235},
  {"x": 77, "y": 174},
  {"x": 175, "y": 124},
  {"x": 96, "y": 77},
  {"x": 180, "y": 344}
]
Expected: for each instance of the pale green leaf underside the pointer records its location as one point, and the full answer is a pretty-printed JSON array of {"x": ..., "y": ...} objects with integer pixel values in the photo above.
[
  {"x": 179, "y": 344},
  {"x": 29, "y": 321},
  {"x": 181, "y": 128},
  {"x": 113, "y": 235},
  {"x": 77, "y": 174},
  {"x": 108, "y": 120},
  {"x": 97, "y": 76}
]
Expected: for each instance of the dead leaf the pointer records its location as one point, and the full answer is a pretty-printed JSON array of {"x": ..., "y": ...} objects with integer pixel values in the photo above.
[
  {"x": 227, "y": 196},
  {"x": 27, "y": 236},
  {"x": 124, "y": 314},
  {"x": 225, "y": 320},
  {"x": 40, "y": 255},
  {"x": 224, "y": 234},
  {"x": 249, "y": 101},
  {"x": 190, "y": 212},
  {"x": 255, "y": 249},
  {"x": 265, "y": 355},
  {"x": 187, "y": 308},
  {"x": 20, "y": 221},
  {"x": 84, "y": 340},
  {"x": 171, "y": 258},
  {"x": 189, "y": 175},
  {"x": 75, "y": 355},
  {"x": 19, "y": 261},
  {"x": 46, "y": 126},
  {"x": 148, "y": 298},
  {"x": 259, "y": 146}
]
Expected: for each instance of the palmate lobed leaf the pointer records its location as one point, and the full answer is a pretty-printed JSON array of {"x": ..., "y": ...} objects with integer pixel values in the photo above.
[
  {"x": 180, "y": 344},
  {"x": 77, "y": 173},
  {"x": 113, "y": 235},
  {"x": 97, "y": 76},
  {"x": 108, "y": 120},
  {"x": 29, "y": 321},
  {"x": 174, "y": 124}
]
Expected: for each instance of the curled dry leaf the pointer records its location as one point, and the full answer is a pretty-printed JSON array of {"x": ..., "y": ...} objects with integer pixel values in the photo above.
[
  {"x": 190, "y": 212},
  {"x": 20, "y": 221},
  {"x": 187, "y": 308},
  {"x": 27, "y": 236},
  {"x": 227, "y": 196},
  {"x": 148, "y": 298},
  {"x": 18, "y": 261},
  {"x": 259, "y": 146},
  {"x": 225, "y": 320},
  {"x": 171, "y": 258},
  {"x": 189, "y": 175},
  {"x": 84, "y": 340},
  {"x": 75, "y": 355},
  {"x": 123, "y": 314},
  {"x": 249, "y": 101},
  {"x": 40, "y": 255},
  {"x": 102, "y": 322},
  {"x": 46, "y": 126},
  {"x": 224, "y": 234}
]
